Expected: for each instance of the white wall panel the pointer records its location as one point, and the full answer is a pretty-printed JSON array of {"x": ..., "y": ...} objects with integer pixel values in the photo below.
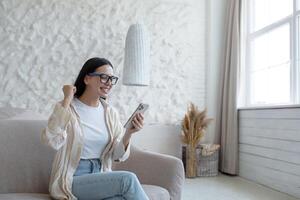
[{"x": 270, "y": 148}]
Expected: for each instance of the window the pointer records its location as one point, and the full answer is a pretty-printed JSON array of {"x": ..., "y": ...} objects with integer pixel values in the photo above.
[{"x": 271, "y": 52}]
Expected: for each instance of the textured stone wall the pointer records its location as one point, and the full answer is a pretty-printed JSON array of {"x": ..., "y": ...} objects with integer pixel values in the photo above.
[{"x": 44, "y": 43}]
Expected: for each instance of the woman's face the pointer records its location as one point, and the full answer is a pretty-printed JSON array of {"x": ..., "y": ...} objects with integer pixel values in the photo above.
[{"x": 98, "y": 86}]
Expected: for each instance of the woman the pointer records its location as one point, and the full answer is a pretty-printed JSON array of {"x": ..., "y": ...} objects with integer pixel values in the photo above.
[{"x": 88, "y": 136}]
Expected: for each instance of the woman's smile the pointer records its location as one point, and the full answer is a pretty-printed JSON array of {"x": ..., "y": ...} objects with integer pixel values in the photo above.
[{"x": 105, "y": 89}]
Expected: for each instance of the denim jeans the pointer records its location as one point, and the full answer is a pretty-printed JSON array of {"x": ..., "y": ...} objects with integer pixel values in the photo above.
[{"x": 91, "y": 184}]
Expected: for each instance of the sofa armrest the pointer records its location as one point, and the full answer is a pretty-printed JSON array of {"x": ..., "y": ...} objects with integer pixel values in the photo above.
[{"x": 155, "y": 169}]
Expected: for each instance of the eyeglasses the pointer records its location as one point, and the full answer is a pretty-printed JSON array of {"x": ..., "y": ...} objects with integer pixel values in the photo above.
[{"x": 104, "y": 78}]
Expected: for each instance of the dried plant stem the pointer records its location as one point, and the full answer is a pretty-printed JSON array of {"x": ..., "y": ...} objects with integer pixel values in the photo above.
[{"x": 193, "y": 127}]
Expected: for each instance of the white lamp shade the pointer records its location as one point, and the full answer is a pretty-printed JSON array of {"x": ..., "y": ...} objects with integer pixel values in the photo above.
[{"x": 136, "y": 70}]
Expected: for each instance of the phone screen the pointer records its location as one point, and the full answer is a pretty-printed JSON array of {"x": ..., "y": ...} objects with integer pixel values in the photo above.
[{"x": 140, "y": 109}]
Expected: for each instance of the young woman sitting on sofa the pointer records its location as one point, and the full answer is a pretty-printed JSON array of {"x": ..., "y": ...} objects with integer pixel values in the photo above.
[{"x": 87, "y": 134}]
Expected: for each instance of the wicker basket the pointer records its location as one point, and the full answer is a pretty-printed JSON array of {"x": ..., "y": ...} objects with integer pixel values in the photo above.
[{"x": 207, "y": 165}]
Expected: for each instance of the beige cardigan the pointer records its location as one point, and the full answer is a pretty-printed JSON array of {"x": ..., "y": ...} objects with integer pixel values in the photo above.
[{"x": 64, "y": 134}]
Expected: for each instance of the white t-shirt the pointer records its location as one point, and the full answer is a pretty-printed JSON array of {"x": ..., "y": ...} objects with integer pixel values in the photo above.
[{"x": 94, "y": 129}]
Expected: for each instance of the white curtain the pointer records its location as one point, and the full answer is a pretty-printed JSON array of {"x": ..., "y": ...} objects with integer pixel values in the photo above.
[{"x": 227, "y": 115}]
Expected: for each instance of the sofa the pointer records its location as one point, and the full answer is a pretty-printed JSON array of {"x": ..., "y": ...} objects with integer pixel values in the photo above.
[{"x": 25, "y": 165}]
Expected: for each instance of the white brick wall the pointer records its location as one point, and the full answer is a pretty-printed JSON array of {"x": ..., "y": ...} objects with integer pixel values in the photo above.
[{"x": 44, "y": 43}]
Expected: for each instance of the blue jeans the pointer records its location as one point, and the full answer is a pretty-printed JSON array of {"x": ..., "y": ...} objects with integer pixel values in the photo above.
[{"x": 91, "y": 184}]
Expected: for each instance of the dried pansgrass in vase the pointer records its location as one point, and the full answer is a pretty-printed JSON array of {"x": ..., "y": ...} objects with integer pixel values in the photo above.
[{"x": 194, "y": 124}]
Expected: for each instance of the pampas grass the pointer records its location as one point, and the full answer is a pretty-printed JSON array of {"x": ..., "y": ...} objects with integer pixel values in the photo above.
[{"x": 193, "y": 125}]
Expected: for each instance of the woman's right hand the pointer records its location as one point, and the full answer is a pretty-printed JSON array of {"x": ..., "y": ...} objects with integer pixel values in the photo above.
[{"x": 69, "y": 91}]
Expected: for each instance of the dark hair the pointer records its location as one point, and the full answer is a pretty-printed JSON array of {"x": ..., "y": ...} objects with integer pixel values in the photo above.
[{"x": 89, "y": 66}]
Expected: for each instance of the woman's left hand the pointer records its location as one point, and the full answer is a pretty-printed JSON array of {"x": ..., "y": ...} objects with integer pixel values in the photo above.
[{"x": 137, "y": 123}]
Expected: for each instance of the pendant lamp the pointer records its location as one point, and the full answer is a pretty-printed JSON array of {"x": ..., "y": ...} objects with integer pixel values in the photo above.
[{"x": 136, "y": 71}]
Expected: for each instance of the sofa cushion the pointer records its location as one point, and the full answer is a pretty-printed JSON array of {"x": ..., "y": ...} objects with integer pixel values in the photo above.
[
  {"x": 25, "y": 161},
  {"x": 24, "y": 196},
  {"x": 156, "y": 193},
  {"x": 153, "y": 192}
]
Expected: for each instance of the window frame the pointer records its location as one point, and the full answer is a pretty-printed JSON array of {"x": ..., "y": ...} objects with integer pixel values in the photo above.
[{"x": 247, "y": 37}]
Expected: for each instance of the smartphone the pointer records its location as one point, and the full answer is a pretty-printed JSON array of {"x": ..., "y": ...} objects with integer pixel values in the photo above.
[{"x": 140, "y": 109}]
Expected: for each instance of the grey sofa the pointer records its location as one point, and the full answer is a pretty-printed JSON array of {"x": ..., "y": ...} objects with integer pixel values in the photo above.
[{"x": 25, "y": 165}]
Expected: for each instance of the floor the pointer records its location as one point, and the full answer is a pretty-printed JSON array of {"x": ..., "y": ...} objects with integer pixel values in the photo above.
[{"x": 224, "y": 187}]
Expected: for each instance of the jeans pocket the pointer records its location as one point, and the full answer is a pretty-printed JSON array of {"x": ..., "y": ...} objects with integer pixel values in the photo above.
[{"x": 84, "y": 167}]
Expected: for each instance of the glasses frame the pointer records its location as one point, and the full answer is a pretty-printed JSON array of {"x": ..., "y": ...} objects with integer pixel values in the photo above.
[{"x": 111, "y": 78}]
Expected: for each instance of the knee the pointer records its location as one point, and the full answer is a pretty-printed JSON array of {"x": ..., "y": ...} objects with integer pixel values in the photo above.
[{"x": 129, "y": 176}]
